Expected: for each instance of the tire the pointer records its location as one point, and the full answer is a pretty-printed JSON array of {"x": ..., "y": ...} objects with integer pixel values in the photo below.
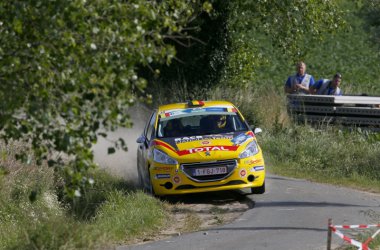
[
  {"x": 140, "y": 180},
  {"x": 258, "y": 190},
  {"x": 150, "y": 189}
]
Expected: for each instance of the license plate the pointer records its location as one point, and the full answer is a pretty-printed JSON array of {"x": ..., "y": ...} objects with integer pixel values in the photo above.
[{"x": 210, "y": 171}]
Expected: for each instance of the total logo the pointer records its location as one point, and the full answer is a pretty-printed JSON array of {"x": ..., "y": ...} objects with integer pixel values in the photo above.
[{"x": 206, "y": 149}]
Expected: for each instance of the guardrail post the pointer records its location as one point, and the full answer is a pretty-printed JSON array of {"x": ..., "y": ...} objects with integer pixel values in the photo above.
[{"x": 329, "y": 234}]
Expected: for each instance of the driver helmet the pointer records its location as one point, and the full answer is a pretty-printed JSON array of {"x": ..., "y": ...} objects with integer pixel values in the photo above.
[{"x": 221, "y": 121}]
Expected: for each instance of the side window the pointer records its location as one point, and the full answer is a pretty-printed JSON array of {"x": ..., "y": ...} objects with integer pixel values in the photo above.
[
  {"x": 150, "y": 128},
  {"x": 238, "y": 124}
]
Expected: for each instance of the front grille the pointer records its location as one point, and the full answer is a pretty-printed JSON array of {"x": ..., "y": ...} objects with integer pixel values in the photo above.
[{"x": 189, "y": 168}]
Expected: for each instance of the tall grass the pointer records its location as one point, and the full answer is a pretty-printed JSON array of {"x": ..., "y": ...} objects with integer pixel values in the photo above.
[
  {"x": 33, "y": 215},
  {"x": 351, "y": 158},
  {"x": 263, "y": 107}
]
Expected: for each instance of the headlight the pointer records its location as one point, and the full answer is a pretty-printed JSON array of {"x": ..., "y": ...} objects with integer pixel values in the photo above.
[
  {"x": 250, "y": 150},
  {"x": 161, "y": 157}
]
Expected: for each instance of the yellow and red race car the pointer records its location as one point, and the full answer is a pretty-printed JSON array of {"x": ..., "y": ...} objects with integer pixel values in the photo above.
[{"x": 199, "y": 146}]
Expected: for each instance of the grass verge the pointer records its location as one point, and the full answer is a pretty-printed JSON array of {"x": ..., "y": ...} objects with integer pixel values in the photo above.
[
  {"x": 331, "y": 156},
  {"x": 33, "y": 216}
]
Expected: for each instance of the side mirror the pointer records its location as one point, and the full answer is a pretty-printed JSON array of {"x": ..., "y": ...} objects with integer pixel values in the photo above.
[
  {"x": 141, "y": 139},
  {"x": 258, "y": 130}
]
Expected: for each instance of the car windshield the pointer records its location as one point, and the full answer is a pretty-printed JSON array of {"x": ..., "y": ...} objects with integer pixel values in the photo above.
[{"x": 201, "y": 123}]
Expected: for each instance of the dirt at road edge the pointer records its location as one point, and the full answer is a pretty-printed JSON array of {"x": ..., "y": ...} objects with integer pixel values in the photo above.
[{"x": 200, "y": 212}]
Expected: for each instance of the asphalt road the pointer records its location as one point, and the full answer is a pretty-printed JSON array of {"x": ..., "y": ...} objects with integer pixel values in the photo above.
[{"x": 292, "y": 214}]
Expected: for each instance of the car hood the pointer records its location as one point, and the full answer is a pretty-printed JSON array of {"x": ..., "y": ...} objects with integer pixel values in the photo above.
[{"x": 205, "y": 147}]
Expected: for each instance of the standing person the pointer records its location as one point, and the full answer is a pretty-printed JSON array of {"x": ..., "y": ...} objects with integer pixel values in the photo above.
[
  {"x": 300, "y": 82},
  {"x": 327, "y": 86}
]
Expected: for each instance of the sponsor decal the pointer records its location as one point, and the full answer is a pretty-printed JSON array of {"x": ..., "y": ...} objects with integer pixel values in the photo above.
[
  {"x": 176, "y": 112},
  {"x": 243, "y": 173},
  {"x": 251, "y": 162},
  {"x": 250, "y": 133},
  {"x": 164, "y": 144},
  {"x": 217, "y": 137},
  {"x": 240, "y": 139},
  {"x": 176, "y": 179},
  {"x": 205, "y": 142},
  {"x": 258, "y": 168},
  {"x": 196, "y": 150},
  {"x": 162, "y": 176},
  {"x": 206, "y": 149},
  {"x": 163, "y": 169},
  {"x": 188, "y": 139},
  {"x": 208, "y": 153},
  {"x": 199, "y": 138}
]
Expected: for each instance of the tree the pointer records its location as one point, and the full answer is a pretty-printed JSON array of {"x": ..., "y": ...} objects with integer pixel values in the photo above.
[
  {"x": 286, "y": 25},
  {"x": 237, "y": 36},
  {"x": 70, "y": 68},
  {"x": 199, "y": 59},
  {"x": 371, "y": 10}
]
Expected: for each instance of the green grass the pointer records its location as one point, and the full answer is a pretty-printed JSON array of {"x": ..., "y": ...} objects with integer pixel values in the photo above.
[
  {"x": 350, "y": 51},
  {"x": 48, "y": 223},
  {"x": 328, "y": 155},
  {"x": 33, "y": 215}
]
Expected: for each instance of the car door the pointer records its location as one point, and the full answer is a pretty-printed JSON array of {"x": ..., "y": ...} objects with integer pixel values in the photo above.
[{"x": 143, "y": 149}]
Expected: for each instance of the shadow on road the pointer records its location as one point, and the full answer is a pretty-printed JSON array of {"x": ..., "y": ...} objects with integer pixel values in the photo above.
[
  {"x": 268, "y": 229},
  {"x": 306, "y": 204},
  {"x": 212, "y": 198}
]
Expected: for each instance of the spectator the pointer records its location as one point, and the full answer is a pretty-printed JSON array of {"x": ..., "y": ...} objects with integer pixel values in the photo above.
[
  {"x": 327, "y": 86},
  {"x": 300, "y": 82}
]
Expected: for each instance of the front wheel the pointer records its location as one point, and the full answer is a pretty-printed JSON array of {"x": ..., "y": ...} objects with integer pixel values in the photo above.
[
  {"x": 150, "y": 189},
  {"x": 140, "y": 179},
  {"x": 258, "y": 190}
]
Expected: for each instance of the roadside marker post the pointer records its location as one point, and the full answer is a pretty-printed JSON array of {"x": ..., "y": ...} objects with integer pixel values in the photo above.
[
  {"x": 359, "y": 245},
  {"x": 329, "y": 234}
]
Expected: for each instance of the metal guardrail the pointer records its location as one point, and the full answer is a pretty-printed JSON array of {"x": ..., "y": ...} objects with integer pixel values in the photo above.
[
  {"x": 352, "y": 99},
  {"x": 358, "y": 111}
]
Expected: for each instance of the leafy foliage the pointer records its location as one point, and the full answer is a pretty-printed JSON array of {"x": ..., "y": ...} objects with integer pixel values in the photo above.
[
  {"x": 283, "y": 26},
  {"x": 370, "y": 12},
  {"x": 70, "y": 68},
  {"x": 199, "y": 59},
  {"x": 237, "y": 38},
  {"x": 258, "y": 60}
]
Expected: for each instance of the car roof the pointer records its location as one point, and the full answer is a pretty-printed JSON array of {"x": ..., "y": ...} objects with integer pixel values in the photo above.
[{"x": 185, "y": 105}]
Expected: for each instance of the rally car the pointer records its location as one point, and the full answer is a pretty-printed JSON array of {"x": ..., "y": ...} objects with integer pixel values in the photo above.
[{"x": 199, "y": 146}]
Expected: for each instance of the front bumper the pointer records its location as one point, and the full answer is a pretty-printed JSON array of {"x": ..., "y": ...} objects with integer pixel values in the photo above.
[{"x": 173, "y": 180}]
